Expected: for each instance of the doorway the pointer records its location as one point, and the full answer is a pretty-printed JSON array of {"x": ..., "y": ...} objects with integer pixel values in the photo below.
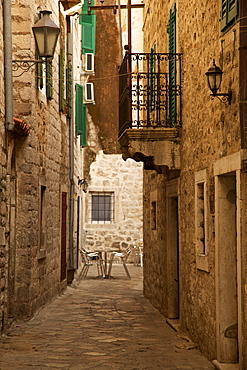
[
  {"x": 226, "y": 269},
  {"x": 63, "y": 237},
  {"x": 172, "y": 250}
]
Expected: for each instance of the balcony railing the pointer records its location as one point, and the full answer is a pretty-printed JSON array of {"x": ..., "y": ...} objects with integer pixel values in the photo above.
[{"x": 150, "y": 91}]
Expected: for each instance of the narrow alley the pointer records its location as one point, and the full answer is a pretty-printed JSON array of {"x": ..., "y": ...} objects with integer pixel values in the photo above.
[{"x": 99, "y": 324}]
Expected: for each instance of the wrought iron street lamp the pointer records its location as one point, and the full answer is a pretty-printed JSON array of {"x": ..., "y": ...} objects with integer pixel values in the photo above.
[
  {"x": 46, "y": 34},
  {"x": 214, "y": 78}
]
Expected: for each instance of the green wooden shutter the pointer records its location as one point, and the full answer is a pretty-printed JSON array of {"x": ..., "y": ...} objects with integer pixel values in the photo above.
[
  {"x": 69, "y": 89},
  {"x": 80, "y": 115},
  {"x": 88, "y": 23},
  {"x": 172, "y": 106},
  {"x": 229, "y": 12},
  {"x": 49, "y": 79},
  {"x": 61, "y": 79}
]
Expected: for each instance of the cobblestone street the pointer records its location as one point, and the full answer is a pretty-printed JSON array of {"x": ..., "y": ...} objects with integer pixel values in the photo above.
[{"x": 99, "y": 324}]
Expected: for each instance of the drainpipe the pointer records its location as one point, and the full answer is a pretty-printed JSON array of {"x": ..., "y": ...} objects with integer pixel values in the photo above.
[
  {"x": 7, "y": 39},
  {"x": 242, "y": 74},
  {"x": 243, "y": 131},
  {"x": 71, "y": 157},
  {"x": 120, "y": 28}
]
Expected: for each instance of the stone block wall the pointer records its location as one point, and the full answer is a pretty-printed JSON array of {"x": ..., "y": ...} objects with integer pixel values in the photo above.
[
  {"x": 111, "y": 173},
  {"x": 155, "y": 253},
  {"x": 3, "y": 194},
  {"x": 210, "y": 131},
  {"x": 39, "y": 162}
]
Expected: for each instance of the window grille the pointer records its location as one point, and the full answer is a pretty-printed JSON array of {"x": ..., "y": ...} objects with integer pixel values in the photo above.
[
  {"x": 201, "y": 218},
  {"x": 101, "y": 207}
]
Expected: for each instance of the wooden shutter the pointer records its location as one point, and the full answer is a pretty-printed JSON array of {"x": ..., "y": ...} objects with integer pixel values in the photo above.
[
  {"x": 69, "y": 89},
  {"x": 229, "y": 11},
  {"x": 172, "y": 105},
  {"x": 232, "y": 9},
  {"x": 80, "y": 115},
  {"x": 61, "y": 79},
  {"x": 88, "y": 30},
  {"x": 49, "y": 79}
]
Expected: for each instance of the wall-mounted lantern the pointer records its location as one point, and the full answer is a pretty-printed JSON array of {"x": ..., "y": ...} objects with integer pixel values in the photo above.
[
  {"x": 46, "y": 34},
  {"x": 83, "y": 183},
  {"x": 214, "y": 78}
]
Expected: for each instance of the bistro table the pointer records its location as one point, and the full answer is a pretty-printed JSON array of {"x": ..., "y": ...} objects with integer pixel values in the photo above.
[{"x": 105, "y": 251}]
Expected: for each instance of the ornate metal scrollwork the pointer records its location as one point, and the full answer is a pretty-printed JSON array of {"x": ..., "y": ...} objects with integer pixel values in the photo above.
[
  {"x": 24, "y": 65},
  {"x": 152, "y": 97}
]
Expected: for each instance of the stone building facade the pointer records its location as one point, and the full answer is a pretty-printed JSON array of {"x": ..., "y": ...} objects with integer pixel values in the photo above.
[
  {"x": 106, "y": 173},
  {"x": 41, "y": 162},
  {"x": 123, "y": 180},
  {"x": 3, "y": 212},
  {"x": 195, "y": 173}
]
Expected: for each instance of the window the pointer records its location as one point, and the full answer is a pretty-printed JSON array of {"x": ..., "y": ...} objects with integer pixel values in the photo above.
[
  {"x": 88, "y": 29},
  {"x": 61, "y": 79},
  {"x": 229, "y": 13},
  {"x": 69, "y": 89},
  {"x": 153, "y": 215},
  {"x": 101, "y": 207},
  {"x": 42, "y": 218},
  {"x": 202, "y": 220},
  {"x": 80, "y": 116},
  {"x": 45, "y": 70}
]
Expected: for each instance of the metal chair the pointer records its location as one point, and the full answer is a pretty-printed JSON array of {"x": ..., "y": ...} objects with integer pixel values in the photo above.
[
  {"x": 89, "y": 259},
  {"x": 138, "y": 252},
  {"x": 123, "y": 256}
]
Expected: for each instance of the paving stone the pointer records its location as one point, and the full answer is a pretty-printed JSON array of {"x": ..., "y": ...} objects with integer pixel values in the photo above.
[{"x": 99, "y": 324}]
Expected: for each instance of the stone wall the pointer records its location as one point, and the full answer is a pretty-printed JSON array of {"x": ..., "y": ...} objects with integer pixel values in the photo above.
[
  {"x": 104, "y": 168},
  {"x": 210, "y": 131},
  {"x": 3, "y": 200},
  {"x": 155, "y": 253},
  {"x": 111, "y": 173},
  {"x": 38, "y": 163}
]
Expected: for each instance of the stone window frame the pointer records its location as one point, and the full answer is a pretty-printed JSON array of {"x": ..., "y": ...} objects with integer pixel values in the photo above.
[
  {"x": 102, "y": 226},
  {"x": 202, "y": 219},
  {"x": 107, "y": 195},
  {"x": 42, "y": 218}
]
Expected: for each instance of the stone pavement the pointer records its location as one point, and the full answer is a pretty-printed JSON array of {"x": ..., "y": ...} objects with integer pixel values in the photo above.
[{"x": 99, "y": 324}]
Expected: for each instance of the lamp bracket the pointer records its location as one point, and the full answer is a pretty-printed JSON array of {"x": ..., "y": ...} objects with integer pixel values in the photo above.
[
  {"x": 25, "y": 65},
  {"x": 223, "y": 97}
]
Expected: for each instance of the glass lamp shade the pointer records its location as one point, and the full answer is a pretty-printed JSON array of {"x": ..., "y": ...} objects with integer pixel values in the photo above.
[
  {"x": 46, "y": 33},
  {"x": 214, "y": 77}
]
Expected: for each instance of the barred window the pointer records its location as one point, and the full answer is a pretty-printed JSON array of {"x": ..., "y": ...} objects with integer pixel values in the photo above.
[{"x": 101, "y": 207}]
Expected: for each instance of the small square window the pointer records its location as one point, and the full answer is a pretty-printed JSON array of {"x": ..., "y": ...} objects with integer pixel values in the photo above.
[{"x": 101, "y": 207}]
